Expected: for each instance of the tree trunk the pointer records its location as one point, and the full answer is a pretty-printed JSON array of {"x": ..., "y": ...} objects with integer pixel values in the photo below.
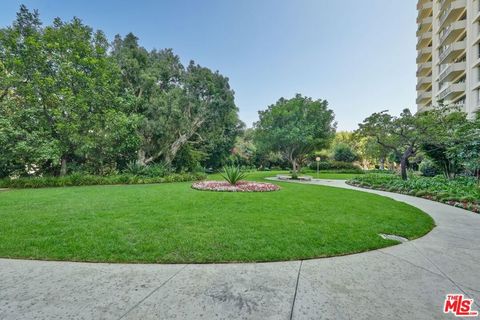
[
  {"x": 141, "y": 157},
  {"x": 403, "y": 162},
  {"x": 403, "y": 168},
  {"x": 294, "y": 169},
  {"x": 174, "y": 148},
  {"x": 63, "y": 167}
]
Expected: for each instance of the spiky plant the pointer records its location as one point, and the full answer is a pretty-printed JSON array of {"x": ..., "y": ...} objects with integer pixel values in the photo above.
[{"x": 233, "y": 174}]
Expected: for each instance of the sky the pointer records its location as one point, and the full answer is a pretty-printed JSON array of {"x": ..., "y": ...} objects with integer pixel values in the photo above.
[{"x": 359, "y": 55}]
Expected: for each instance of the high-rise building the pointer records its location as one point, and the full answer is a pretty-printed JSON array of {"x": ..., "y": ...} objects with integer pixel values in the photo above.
[{"x": 448, "y": 60}]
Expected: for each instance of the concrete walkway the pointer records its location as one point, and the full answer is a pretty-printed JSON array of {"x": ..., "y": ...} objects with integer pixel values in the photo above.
[{"x": 407, "y": 281}]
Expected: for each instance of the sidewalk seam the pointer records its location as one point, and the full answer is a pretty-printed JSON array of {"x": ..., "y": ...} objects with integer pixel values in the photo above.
[
  {"x": 296, "y": 289},
  {"x": 152, "y": 292},
  {"x": 445, "y": 275}
]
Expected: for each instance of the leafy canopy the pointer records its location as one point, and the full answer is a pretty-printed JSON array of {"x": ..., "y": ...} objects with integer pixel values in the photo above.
[{"x": 295, "y": 127}]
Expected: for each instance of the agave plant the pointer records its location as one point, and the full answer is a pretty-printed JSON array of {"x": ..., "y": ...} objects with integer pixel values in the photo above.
[{"x": 233, "y": 174}]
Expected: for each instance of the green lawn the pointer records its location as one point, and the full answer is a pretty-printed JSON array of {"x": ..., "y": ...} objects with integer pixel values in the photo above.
[
  {"x": 322, "y": 175},
  {"x": 174, "y": 223},
  {"x": 332, "y": 176}
]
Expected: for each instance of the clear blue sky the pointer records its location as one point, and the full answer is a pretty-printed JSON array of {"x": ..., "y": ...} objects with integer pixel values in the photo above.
[{"x": 357, "y": 54}]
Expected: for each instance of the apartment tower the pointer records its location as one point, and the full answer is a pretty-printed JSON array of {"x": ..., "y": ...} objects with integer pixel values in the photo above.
[{"x": 448, "y": 60}]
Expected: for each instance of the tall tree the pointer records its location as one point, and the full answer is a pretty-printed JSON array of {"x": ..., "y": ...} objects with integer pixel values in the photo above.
[
  {"x": 178, "y": 106},
  {"x": 295, "y": 128},
  {"x": 61, "y": 84},
  {"x": 402, "y": 135}
]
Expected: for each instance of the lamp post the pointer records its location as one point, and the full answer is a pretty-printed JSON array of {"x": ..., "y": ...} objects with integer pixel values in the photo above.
[{"x": 318, "y": 164}]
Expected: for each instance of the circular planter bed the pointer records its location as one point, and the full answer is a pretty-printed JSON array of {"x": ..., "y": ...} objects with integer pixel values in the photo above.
[
  {"x": 242, "y": 186},
  {"x": 287, "y": 177}
]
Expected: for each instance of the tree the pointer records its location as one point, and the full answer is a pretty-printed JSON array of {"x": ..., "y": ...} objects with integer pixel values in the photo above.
[
  {"x": 60, "y": 84},
  {"x": 244, "y": 150},
  {"x": 188, "y": 111},
  {"x": 295, "y": 128},
  {"x": 467, "y": 146},
  {"x": 402, "y": 135},
  {"x": 446, "y": 129}
]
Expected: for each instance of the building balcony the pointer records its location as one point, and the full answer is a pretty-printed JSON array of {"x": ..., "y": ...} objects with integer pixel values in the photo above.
[
  {"x": 424, "y": 54},
  {"x": 424, "y": 82},
  {"x": 424, "y": 69},
  {"x": 424, "y": 25},
  {"x": 424, "y": 40},
  {"x": 422, "y": 4},
  {"x": 424, "y": 9},
  {"x": 453, "y": 31},
  {"x": 451, "y": 91},
  {"x": 452, "y": 12},
  {"x": 452, "y": 51},
  {"x": 452, "y": 71},
  {"x": 424, "y": 97},
  {"x": 477, "y": 16}
]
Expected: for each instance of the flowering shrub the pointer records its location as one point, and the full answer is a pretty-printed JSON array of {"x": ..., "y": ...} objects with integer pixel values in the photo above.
[{"x": 242, "y": 186}]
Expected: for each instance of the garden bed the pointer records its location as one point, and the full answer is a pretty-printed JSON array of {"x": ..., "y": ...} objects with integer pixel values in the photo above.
[
  {"x": 289, "y": 177},
  {"x": 242, "y": 186},
  {"x": 461, "y": 192}
]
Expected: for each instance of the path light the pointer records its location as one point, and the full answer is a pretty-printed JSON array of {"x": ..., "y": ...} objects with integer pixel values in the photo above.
[{"x": 318, "y": 164}]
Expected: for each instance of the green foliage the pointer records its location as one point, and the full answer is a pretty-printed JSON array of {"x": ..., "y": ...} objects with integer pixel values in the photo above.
[
  {"x": 444, "y": 133},
  {"x": 79, "y": 179},
  {"x": 462, "y": 190},
  {"x": 337, "y": 166},
  {"x": 70, "y": 101},
  {"x": 188, "y": 114},
  {"x": 233, "y": 174},
  {"x": 344, "y": 153},
  {"x": 428, "y": 168},
  {"x": 295, "y": 128},
  {"x": 400, "y": 135},
  {"x": 150, "y": 171}
]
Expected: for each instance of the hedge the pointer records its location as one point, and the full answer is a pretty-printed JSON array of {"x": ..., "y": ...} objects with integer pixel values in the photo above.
[{"x": 89, "y": 180}]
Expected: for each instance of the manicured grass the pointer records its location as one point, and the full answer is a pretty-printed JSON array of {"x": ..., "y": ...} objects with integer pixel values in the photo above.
[
  {"x": 332, "y": 176},
  {"x": 176, "y": 224},
  {"x": 322, "y": 175}
]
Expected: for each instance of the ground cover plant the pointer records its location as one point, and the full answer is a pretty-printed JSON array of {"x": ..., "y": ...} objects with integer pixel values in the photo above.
[
  {"x": 173, "y": 223},
  {"x": 461, "y": 192}
]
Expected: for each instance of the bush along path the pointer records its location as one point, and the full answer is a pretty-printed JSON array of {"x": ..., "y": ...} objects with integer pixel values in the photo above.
[
  {"x": 462, "y": 192},
  {"x": 90, "y": 180}
]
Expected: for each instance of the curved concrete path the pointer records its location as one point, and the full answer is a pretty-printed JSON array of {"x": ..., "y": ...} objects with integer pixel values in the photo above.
[{"x": 407, "y": 281}]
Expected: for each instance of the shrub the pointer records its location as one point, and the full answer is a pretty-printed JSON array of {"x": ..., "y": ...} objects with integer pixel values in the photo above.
[
  {"x": 428, "y": 168},
  {"x": 233, "y": 174},
  {"x": 150, "y": 171},
  {"x": 336, "y": 166},
  {"x": 344, "y": 153},
  {"x": 86, "y": 180},
  {"x": 462, "y": 190}
]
